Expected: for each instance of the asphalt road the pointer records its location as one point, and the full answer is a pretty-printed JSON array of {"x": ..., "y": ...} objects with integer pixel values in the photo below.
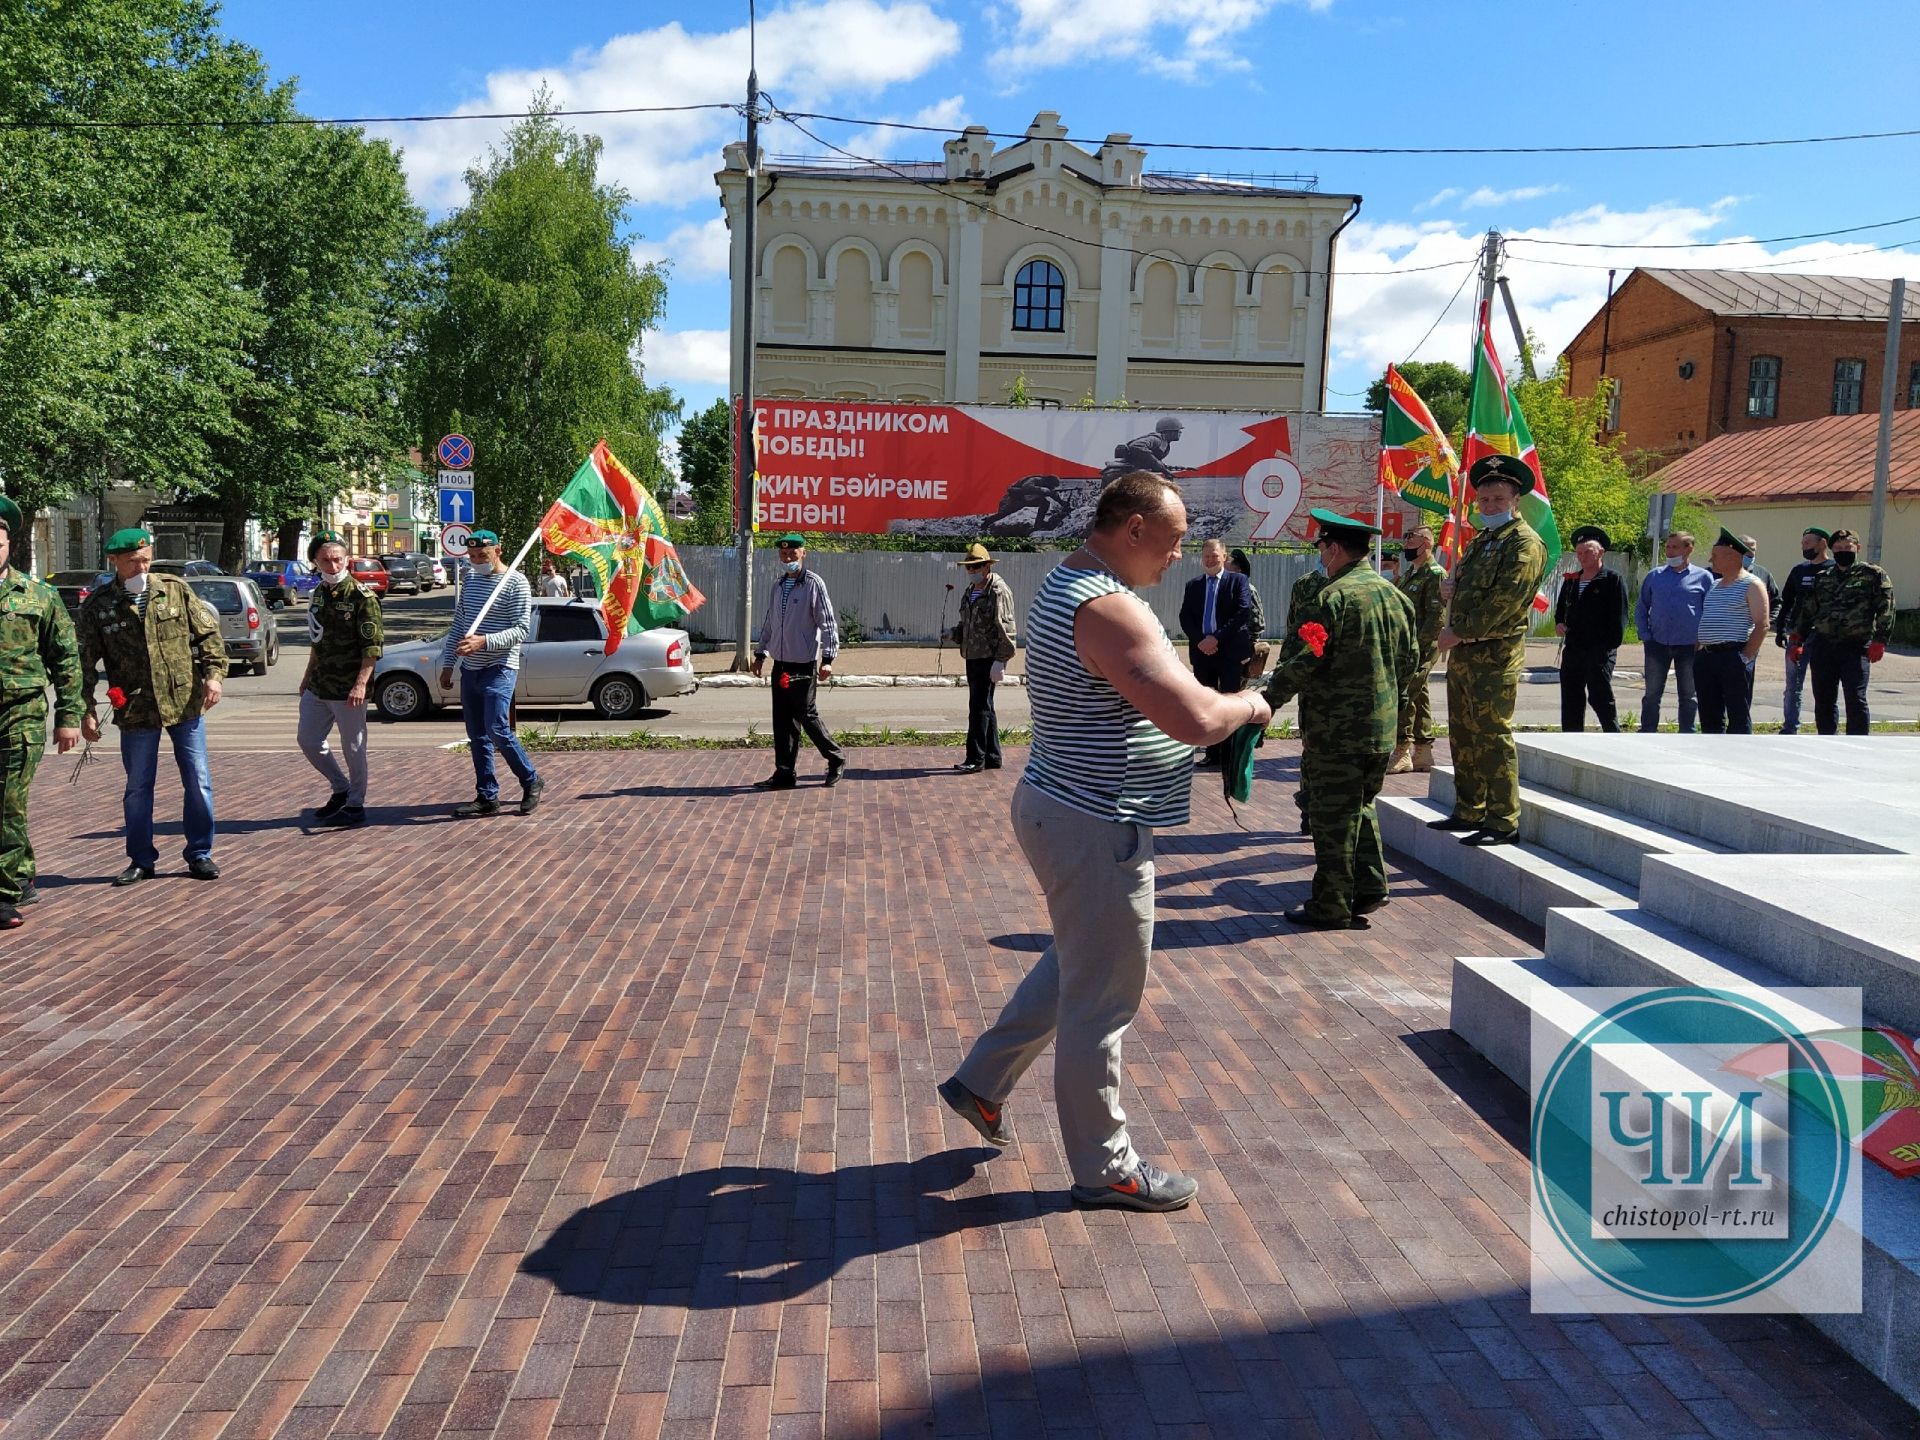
[{"x": 258, "y": 714}]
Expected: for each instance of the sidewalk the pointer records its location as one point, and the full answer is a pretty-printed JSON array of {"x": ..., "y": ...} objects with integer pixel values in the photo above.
[{"x": 619, "y": 1120}]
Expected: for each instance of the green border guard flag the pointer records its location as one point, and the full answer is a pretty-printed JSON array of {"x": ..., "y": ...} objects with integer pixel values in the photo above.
[
  {"x": 1416, "y": 461},
  {"x": 1495, "y": 426}
]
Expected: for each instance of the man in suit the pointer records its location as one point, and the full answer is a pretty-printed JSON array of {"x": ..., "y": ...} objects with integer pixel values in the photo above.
[{"x": 1217, "y": 616}]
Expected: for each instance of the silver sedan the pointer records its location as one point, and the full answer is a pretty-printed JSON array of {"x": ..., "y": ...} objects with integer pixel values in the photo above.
[{"x": 563, "y": 662}]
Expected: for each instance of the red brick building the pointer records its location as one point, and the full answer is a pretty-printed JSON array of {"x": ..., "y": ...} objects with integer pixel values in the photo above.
[{"x": 1698, "y": 353}]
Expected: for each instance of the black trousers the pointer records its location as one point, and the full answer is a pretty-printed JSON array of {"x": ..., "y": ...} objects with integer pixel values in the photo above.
[
  {"x": 793, "y": 712},
  {"x": 1217, "y": 672},
  {"x": 983, "y": 725},
  {"x": 1839, "y": 668},
  {"x": 1721, "y": 684},
  {"x": 1586, "y": 678}
]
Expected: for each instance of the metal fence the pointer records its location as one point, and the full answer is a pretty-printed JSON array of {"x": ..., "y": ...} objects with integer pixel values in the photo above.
[{"x": 909, "y": 598}]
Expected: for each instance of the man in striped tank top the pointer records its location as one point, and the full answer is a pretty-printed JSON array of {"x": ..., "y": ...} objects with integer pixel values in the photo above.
[
  {"x": 1733, "y": 623},
  {"x": 1116, "y": 717}
]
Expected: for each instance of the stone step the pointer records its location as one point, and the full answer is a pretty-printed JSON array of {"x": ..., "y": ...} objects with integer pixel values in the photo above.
[
  {"x": 1498, "y": 1002},
  {"x": 1526, "y": 879},
  {"x": 1832, "y": 920},
  {"x": 1584, "y": 832}
]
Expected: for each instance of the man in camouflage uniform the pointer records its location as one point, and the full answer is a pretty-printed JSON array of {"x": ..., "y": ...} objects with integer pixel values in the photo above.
[
  {"x": 1350, "y": 696},
  {"x": 163, "y": 653},
  {"x": 1299, "y": 603},
  {"x": 345, "y": 626},
  {"x": 1420, "y": 577},
  {"x": 1491, "y": 595},
  {"x": 36, "y": 650},
  {"x": 1842, "y": 629}
]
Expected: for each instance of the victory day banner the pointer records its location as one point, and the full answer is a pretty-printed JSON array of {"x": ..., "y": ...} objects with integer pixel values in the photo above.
[{"x": 973, "y": 471}]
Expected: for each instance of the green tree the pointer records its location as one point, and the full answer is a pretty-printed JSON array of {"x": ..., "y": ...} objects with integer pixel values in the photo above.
[
  {"x": 1588, "y": 475},
  {"x": 706, "y": 466},
  {"x": 531, "y": 337},
  {"x": 1442, "y": 384}
]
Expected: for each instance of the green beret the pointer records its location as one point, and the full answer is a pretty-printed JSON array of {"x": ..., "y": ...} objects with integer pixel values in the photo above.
[
  {"x": 125, "y": 542},
  {"x": 9, "y": 515},
  {"x": 484, "y": 537},
  {"x": 324, "y": 537},
  {"x": 1816, "y": 530},
  {"x": 792, "y": 537},
  {"x": 1510, "y": 468},
  {"x": 1330, "y": 520}
]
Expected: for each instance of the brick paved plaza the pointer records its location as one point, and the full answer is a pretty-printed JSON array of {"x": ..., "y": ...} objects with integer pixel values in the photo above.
[{"x": 627, "y": 1126}]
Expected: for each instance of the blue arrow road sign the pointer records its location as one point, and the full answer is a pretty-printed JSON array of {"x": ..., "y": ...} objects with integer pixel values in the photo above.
[{"x": 456, "y": 507}]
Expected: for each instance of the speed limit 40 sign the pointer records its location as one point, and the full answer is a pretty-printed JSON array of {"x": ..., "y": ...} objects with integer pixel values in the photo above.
[{"x": 453, "y": 539}]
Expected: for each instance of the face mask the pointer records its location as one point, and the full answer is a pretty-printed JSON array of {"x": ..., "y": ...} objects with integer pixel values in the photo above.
[
  {"x": 1843, "y": 558},
  {"x": 1677, "y": 562},
  {"x": 1491, "y": 518},
  {"x": 1746, "y": 562},
  {"x": 134, "y": 583},
  {"x": 792, "y": 567},
  {"x": 327, "y": 579},
  {"x": 1807, "y": 552}
]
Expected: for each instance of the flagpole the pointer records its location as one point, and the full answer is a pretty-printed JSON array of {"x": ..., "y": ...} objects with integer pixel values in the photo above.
[
  {"x": 1380, "y": 486},
  {"x": 1489, "y": 273},
  {"x": 487, "y": 604}
]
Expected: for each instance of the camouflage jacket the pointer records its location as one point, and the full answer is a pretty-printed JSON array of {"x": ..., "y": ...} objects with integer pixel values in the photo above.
[
  {"x": 1854, "y": 605},
  {"x": 347, "y": 627},
  {"x": 1421, "y": 585},
  {"x": 1350, "y": 693},
  {"x": 1299, "y": 602},
  {"x": 985, "y": 631},
  {"x": 1495, "y": 582},
  {"x": 37, "y": 649},
  {"x": 160, "y": 660}
]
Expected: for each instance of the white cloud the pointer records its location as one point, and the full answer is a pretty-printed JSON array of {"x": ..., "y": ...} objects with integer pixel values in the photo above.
[
  {"x": 880, "y": 142},
  {"x": 696, "y": 251},
  {"x": 685, "y": 357},
  {"x": 1557, "y": 290},
  {"x": 1176, "y": 38},
  {"x": 1486, "y": 196},
  {"x": 1439, "y": 198},
  {"x": 809, "y": 52}
]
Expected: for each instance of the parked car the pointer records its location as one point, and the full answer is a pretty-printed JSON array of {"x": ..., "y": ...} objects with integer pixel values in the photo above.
[
  {"x": 564, "y": 662},
  {"x": 245, "y": 625},
  {"x": 187, "y": 568},
  {"x": 403, "y": 573},
  {"x": 283, "y": 582},
  {"x": 440, "y": 576},
  {"x": 76, "y": 585},
  {"x": 425, "y": 567},
  {"x": 370, "y": 573}
]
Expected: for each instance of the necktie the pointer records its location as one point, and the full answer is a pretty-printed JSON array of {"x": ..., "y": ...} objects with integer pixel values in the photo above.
[{"x": 1206, "y": 615}]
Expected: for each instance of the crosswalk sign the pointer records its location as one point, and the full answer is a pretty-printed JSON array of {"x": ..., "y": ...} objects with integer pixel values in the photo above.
[{"x": 382, "y": 520}]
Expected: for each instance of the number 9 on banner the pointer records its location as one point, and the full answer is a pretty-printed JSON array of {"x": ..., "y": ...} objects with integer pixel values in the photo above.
[{"x": 1272, "y": 491}]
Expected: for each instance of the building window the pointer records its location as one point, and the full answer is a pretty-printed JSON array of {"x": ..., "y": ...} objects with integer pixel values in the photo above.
[
  {"x": 1763, "y": 387},
  {"x": 1613, "y": 403},
  {"x": 1039, "y": 297},
  {"x": 1913, "y": 387},
  {"x": 1849, "y": 379}
]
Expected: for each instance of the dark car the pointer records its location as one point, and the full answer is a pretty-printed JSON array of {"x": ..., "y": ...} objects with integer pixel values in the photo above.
[
  {"x": 283, "y": 582},
  {"x": 76, "y": 585},
  {"x": 422, "y": 567},
  {"x": 187, "y": 568},
  {"x": 403, "y": 573}
]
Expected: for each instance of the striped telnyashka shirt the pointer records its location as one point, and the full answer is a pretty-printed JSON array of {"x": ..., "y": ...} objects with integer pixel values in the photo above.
[
  {"x": 1724, "y": 618},
  {"x": 1092, "y": 751},
  {"x": 505, "y": 627}
]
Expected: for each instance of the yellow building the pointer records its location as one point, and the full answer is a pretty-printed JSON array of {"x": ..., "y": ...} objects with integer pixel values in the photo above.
[{"x": 943, "y": 281}]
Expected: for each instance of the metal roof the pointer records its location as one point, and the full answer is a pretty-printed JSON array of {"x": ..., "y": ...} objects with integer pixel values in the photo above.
[
  {"x": 923, "y": 171},
  {"x": 1757, "y": 293},
  {"x": 1829, "y": 459}
]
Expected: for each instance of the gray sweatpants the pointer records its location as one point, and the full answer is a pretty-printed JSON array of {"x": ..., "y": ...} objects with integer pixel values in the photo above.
[
  {"x": 1097, "y": 876},
  {"x": 317, "y": 717}
]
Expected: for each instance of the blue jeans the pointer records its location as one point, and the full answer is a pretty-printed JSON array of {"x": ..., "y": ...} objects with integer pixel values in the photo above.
[
  {"x": 1790, "y": 697},
  {"x": 485, "y": 695},
  {"x": 140, "y": 755},
  {"x": 1659, "y": 657}
]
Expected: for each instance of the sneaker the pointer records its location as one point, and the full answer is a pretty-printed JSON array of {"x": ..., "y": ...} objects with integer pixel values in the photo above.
[
  {"x": 1492, "y": 837},
  {"x": 346, "y": 817},
  {"x": 976, "y": 1112},
  {"x": 1148, "y": 1188},
  {"x": 475, "y": 808},
  {"x": 333, "y": 807},
  {"x": 28, "y": 896},
  {"x": 530, "y": 796}
]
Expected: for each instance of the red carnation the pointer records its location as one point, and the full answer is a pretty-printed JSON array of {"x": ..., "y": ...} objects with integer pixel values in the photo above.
[
  {"x": 1315, "y": 636},
  {"x": 116, "y": 697}
]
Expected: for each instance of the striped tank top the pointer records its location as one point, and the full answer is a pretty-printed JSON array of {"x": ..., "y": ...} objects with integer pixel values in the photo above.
[
  {"x": 1724, "y": 617},
  {"x": 1092, "y": 751}
]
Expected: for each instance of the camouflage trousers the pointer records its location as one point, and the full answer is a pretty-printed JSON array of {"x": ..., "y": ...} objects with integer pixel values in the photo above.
[
  {"x": 1481, "y": 682},
  {"x": 1349, "y": 868},
  {"x": 1416, "y": 707},
  {"x": 23, "y": 737}
]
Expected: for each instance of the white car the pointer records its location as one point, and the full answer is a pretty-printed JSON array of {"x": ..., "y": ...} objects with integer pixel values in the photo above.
[{"x": 563, "y": 662}]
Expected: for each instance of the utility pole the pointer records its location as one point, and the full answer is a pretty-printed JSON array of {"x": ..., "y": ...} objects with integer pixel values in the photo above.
[
  {"x": 1519, "y": 335},
  {"x": 1883, "y": 450},
  {"x": 744, "y": 466},
  {"x": 1489, "y": 277}
]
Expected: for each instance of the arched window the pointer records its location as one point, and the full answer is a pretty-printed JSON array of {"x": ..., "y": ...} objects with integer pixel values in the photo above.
[
  {"x": 1039, "y": 297},
  {"x": 853, "y": 299},
  {"x": 1157, "y": 304}
]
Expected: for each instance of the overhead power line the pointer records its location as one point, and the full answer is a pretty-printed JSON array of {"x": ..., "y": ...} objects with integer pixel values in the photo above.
[
  {"x": 256, "y": 122},
  {"x": 1710, "y": 244}
]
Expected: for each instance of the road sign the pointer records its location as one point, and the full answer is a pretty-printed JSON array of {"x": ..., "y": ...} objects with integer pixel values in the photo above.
[
  {"x": 456, "y": 479},
  {"x": 382, "y": 520},
  {"x": 456, "y": 506},
  {"x": 453, "y": 539},
  {"x": 455, "y": 452}
]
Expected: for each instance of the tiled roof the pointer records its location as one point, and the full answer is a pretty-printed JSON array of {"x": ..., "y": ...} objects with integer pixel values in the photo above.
[
  {"x": 1830, "y": 459},
  {"x": 1754, "y": 293}
]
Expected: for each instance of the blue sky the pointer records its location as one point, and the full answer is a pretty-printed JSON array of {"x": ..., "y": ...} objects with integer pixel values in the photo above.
[{"x": 1320, "y": 72}]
